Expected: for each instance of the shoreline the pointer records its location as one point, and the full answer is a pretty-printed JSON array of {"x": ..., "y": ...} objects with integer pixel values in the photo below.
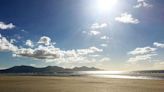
[{"x": 110, "y": 76}]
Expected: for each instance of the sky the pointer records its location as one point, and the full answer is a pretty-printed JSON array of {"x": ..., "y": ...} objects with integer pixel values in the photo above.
[{"x": 107, "y": 34}]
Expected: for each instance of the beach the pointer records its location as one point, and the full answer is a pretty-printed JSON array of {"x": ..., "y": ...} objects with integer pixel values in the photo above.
[{"x": 77, "y": 84}]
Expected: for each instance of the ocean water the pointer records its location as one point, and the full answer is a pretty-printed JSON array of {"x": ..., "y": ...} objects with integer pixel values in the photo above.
[
  {"x": 123, "y": 75},
  {"x": 101, "y": 74}
]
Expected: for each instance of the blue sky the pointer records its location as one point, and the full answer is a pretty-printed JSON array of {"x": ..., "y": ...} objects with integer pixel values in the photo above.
[{"x": 108, "y": 34}]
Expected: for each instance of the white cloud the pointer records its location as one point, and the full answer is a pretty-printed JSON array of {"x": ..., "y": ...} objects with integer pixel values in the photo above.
[
  {"x": 41, "y": 52},
  {"x": 157, "y": 44},
  {"x": 144, "y": 54},
  {"x": 141, "y": 58},
  {"x": 47, "y": 51},
  {"x": 105, "y": 59},
  {"x": 127, "y": 18},
  {"x": 6, "y": 45},
  {"x": 142, "y": 3},
  {"x": 98, "y": 26},
  {"x": 12, "y": 41},
  {"x": 70, "y": 53},
  {"x": 90, "y": 50},
  {"x": 95, "y": 55},
  {"x": 29, "y": 43},
  {"x": 84, "y": 61},
  {"x": 50, "y": 52},
  {"x": 45, "y": 40},
  {"x": 5, "y": 26},
  {"x": 33, "y": 65},
  {"x": 141, "y": 51},
  {"x": 104, "y": 37},
  {"x": 95, "y": 29},
  {"x": 103, "y": 45},
  {"x": 94, "y": 32}
]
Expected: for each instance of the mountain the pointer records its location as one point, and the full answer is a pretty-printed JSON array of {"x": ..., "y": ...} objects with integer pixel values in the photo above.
[
  {"x": 48, "y": 69},
  {"x": 149, "y": 71},
  {"x": 84, "y": 68}
]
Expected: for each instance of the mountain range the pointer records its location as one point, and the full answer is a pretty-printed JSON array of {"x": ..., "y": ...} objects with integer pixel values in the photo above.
[{"x": 48, "y": 69}]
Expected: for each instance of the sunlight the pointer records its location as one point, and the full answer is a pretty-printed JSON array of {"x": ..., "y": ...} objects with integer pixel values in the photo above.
[{"x": 106, "y": 5}]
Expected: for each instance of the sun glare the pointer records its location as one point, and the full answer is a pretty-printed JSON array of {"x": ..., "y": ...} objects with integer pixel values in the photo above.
[{"x": 106, "y": 5}]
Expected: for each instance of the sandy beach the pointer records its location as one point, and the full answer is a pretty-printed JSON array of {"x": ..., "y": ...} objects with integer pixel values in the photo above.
[{"x": 77, "y": 84}]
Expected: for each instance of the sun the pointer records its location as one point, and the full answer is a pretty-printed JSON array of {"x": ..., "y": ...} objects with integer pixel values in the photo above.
[{"x": 105, "y": 5}]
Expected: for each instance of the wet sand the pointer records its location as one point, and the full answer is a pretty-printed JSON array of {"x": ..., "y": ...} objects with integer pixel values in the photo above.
[{"x": 77, "y": 84}]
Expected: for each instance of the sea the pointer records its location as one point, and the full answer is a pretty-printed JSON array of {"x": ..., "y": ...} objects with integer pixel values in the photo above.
[
  {"x": 116, "y": 74},
  {"x": 125, "y": 75},
  {"x": 101, "y": 74}
]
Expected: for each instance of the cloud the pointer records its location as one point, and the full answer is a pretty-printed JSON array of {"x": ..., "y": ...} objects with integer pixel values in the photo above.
[
  {"x": 127, "y": 18},
  {"x": 95, "y": 29},
  {"x": 103, "y": 45},
  {"x": 144, "y": 54},
  {"x": 95, "y": 55},
  {"x": 29, "y": 43},
  {"x": 141, "y": 58},
  {"x": 70, "y": 53},
  {"x": 46, "y": 50},
  {"x": 84, "y": 61},
  {"x": 94, "y": 32},
  {"x": 4, "y": 26},
  {"x": 104, "y": 37},
  {"x": 90, "y": 50},
  {"x": 51, "y": 52},
  {"x": 142, "y": 3},
  {"x": 33, "y": 65},
  {"x": 141, "y": 51},
  {"x": 12, "y": 41},
  {"x": 98, "y": 26},
  {"x": 45, "y": 40},
  {"x": 6, "y": 45},
  {"x": 157, "y": 44},
  {"x": 22, "y": 30},
  {"x": 40, "y": 52}
]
